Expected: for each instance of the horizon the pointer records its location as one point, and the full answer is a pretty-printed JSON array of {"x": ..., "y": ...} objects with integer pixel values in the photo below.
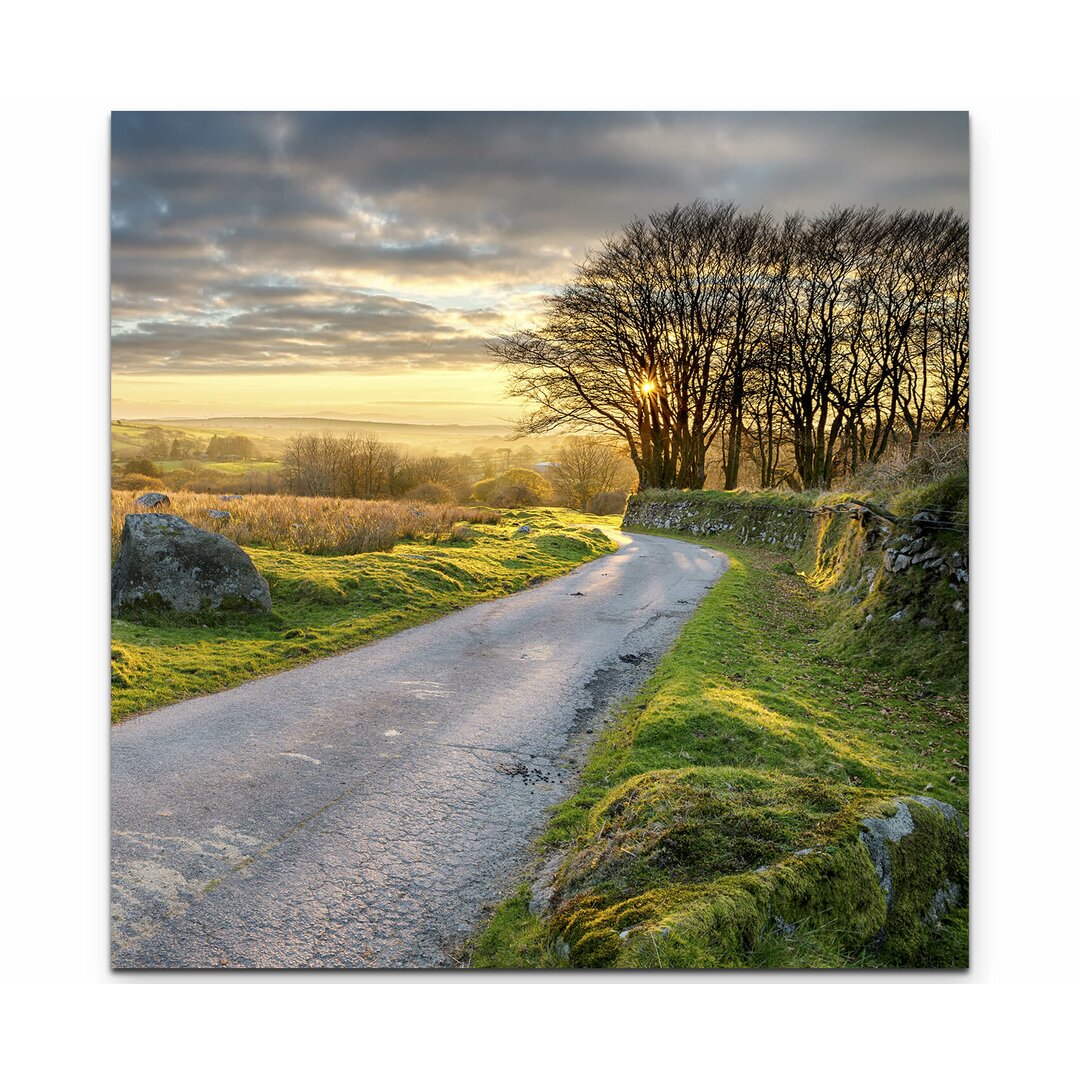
[{"x": 371, "y": 419}]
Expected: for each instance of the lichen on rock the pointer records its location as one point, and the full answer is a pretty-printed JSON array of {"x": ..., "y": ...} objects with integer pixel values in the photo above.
[
  {"x": 166, "y": 563},
  {"x": 671, "y": 859}
]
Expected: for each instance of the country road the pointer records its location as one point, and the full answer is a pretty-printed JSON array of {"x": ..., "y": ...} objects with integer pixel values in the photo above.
[{"x": 361, "y": 811}]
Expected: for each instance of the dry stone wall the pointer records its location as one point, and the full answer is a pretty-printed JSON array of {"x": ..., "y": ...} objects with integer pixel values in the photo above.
[
  {"x": 916, "y": 568},
  {"x": 746, "y": 520}
]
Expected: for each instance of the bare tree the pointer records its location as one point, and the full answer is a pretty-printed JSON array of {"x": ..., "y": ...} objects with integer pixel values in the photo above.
[
  {"x": 587, "y": 466},
  {"x": 631, "y": 346}
]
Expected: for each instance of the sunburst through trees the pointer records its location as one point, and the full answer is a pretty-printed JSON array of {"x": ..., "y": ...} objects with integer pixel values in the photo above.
[{"x": 812, "y": 346}]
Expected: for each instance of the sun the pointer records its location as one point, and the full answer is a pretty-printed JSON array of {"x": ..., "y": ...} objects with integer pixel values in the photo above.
[{"x": 647, "y": 387}]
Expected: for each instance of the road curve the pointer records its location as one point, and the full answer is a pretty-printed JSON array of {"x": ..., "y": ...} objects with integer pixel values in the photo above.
[{"x": 360, "y": 811}]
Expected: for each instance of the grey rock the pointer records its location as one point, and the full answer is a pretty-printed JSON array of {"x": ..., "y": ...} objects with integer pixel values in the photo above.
[
  {"x": 523, "y": 530},
  {"x": 152, "y": 499},
  {"x": 542, "y": 893},
  {"x": 900, "y": 616},
  {"x": 949, "y": 811},
  {"x": 219, "y": 515},
  {"x": 896, "y": 560},
  {"x": 878, "y": 833},
  {"x": 946, "y": 897},
  {"x": 166, "y": 558},
  {"x": 230, "y": 498}
]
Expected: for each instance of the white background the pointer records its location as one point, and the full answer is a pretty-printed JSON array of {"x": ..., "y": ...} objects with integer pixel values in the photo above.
[{"x": 66, "y": 66}]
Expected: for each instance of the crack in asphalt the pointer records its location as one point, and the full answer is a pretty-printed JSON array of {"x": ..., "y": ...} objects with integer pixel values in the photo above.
[{"x": 350, "y": 813}]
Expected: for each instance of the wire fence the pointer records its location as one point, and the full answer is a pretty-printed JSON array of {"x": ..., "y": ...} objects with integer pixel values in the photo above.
[{"x": 931, "y": 518}]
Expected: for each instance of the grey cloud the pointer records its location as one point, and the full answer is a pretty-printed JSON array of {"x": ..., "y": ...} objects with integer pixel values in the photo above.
[
  {"x": 377, "y": 332},
  {"x": 232, "y": 231}
]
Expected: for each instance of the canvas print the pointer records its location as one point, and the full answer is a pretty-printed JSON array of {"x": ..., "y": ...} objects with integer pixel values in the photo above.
[{"x": 539, "y": 540}]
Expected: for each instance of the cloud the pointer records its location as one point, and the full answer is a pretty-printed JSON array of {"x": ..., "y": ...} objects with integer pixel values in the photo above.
[{"x": 353, "y": 241}]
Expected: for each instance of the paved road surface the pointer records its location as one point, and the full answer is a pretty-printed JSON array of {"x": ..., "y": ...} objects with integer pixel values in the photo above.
[{"x": 360, "y": 811}]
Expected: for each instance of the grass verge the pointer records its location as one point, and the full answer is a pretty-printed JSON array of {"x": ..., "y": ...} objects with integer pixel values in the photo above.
[
  {"x": 716, "y": 821},
  {"x": 326, "y": 604}
]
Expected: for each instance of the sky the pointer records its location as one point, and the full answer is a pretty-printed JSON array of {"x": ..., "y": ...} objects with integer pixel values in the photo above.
[{"x": 356, "y": 263}]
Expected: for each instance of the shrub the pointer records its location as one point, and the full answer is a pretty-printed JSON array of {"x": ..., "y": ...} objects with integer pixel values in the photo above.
[
  {"x": 513, "y": 488},
  {"x": 431, "y": 493},
  {"x": 935, "y": 458},
  {"x": 136, "y": 482},
  {"x": 142, "y": 467}
]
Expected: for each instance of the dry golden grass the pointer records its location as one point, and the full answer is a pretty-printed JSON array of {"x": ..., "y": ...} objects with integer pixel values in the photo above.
[{"x": 315, "y": 526}]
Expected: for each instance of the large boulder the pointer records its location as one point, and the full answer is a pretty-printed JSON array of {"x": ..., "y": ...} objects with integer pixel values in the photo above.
[{"x": 165, "y": 560}]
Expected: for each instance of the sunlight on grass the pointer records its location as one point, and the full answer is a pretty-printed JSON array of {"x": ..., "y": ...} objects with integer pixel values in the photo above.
[
  {"x": 323, "y": 604},
  {"x": 734, "y": 782}
]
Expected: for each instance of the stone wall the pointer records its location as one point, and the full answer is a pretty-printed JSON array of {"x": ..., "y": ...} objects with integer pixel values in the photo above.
[
  {"x": 916, "y": 568},
  {"x": 746, "y": 520}
]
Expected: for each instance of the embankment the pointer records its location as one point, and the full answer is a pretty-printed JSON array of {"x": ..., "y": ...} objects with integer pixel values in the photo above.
[
  {"x": 790, "y": 787},
  {"x": 892, "y": 572}
]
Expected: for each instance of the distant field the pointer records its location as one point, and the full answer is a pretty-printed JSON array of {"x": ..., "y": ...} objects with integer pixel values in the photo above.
[
  {"x": 227, "y": 468},
  {"x": 271, "y": 434},
  {"x": 310, "y": 524}
]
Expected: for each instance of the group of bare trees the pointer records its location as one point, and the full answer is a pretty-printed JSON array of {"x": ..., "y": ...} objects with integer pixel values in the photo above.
[
  {"x": 809, "y": 345},
  {"x": 365, "y": 467},
  {"x": 157, "y": 447}
]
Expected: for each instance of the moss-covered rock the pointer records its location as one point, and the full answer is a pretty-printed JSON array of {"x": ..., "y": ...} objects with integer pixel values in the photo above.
[
  {"x": 167, "y": 562},
  {"x": 919, "y": 852},
  {"x": 667, "y": 876}
]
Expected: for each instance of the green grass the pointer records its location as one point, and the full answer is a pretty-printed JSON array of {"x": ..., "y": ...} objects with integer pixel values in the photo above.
[
  {"x": 326, "y": 604},
  {"x": 749, "y": 744},
  {"x": 226, "y": 468}
]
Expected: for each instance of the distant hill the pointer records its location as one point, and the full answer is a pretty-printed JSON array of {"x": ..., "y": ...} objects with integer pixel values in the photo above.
[
  {"x": 272, "y": 433},
  {"x": 329, "y": 421}
]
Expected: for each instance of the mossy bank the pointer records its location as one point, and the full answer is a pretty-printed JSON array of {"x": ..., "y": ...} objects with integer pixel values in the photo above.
[
  {"x": 775, "y": 796},
  {"x": 895, "y": 569}
]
